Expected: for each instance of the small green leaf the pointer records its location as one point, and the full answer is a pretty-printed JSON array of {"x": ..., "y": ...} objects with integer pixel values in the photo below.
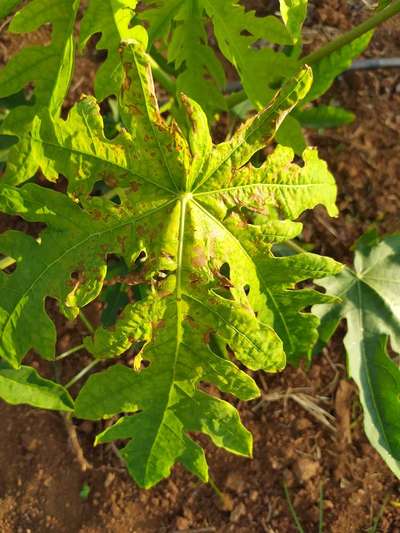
[
  {"x": 324, "y": 116},
  {"x": 294, "y": 13},
  {"x": 111, "y": 18},
  {"x": 200, "y": 74},
  {"x": 25, "y": 386},
  {"x": 328, "y": 69},
  {"x": 85, "y": 491},
  {"x": 238, "y": 32},
  {"x": 370, "y": 304}
]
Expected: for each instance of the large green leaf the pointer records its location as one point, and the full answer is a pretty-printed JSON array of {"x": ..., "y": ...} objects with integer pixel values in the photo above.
[
  {"x": 48, "y": 67},
  {"x": 25, "y": 386},
  {"x": 111, "y": 18},
  {"x": 371, "y": 296},
  {"x": 196, "y": 223}
]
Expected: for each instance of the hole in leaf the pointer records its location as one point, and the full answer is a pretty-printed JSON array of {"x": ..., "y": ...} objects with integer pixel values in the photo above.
[
  {"x": 225, "y": 270},
  {"x": 141, "y": 258},
  {"x": 162, "y": 275},
  {"x": 7, "y": 264}
]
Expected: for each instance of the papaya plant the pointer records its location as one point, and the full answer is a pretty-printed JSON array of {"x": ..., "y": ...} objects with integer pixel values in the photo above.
[{"x": 173, "y": 233}]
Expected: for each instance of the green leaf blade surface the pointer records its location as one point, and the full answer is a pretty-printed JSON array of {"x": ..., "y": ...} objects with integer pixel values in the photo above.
[
  {"x": 370, "y": 306},
  {"x": 26, "y": 386},
  {"x": 195, "y": 222}
]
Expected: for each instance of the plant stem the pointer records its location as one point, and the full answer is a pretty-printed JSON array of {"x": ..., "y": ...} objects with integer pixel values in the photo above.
[
  {"x": 82, "y": 373},
  {"x": 76, "y": 447},
  {"x": 294, "y": 246},
  {"x": 354, "y": 33},
  {"x": 6, "y": 262},
  {"x": 69, "y": 352},
  {"x": 161, "y": 76},
  {"x": 87, "y": 323},
  {"x": 215, "y": 488}
]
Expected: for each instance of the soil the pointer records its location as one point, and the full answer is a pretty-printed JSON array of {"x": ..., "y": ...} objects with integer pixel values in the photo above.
[{"x": 308, "y": 434}]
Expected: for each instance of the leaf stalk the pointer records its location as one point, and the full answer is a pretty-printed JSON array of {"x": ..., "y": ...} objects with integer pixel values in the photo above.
[
  {"x": 82, "y": 373},
  {"x": 369, "y": 24},
  {"x": 69, "y": 352},
  {"x": 372, "y": 22}
]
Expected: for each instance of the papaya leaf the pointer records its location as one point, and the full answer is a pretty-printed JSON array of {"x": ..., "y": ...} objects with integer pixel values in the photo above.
[
  {"x": 112, "y": 19},
  {"x": 328, "y": 68},
  {"x": 200, "y": 221},
  {"x": 324, "y": 116},
  {"x": 73, "y": 242},
  {"x": 294, "y": 13},
  {"x": 25, "y": 386},
  {"x": 238, "y": 33},
  {"x": 200, "y": 74},
  {"x": 370, "y": 305},
  {"x": 48, "y": 67},
  {"x": 291, "y": 134}
]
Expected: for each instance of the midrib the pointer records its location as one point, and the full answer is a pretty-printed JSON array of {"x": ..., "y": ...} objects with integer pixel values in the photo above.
[{"x": 179, "y": 328}]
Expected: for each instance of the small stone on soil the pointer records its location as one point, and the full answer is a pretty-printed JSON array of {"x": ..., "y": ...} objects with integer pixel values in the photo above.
[
  {"x": 305, "y": 469},
  {"x": 182, "y": 523},
  {"x": 238, "y": 512}
]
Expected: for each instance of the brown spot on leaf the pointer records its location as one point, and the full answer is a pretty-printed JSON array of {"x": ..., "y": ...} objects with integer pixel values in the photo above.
[
  {"x": 199, "y": 258},
  {"x": 207, "y": 337},
  {"x": 140, "y": 230},
  {"x": 192, "y": 322}
]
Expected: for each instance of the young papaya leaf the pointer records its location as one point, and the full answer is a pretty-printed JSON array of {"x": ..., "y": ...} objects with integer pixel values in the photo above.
[
  {"x": 293, "y": 14},
  {"x": 202, "y": 77},
  {"x": 189, "y": 210},
  {"x": 161, "y": 17},
  {"x": 48, "y": 67},
  {"x": 370, "y": 305},
  {"x": 112, "y": 19},
  {"x": 26, "y": 386},
  {"x": 238, "y": 32},
  {"x": 328, "y": 68},
  {"x": 324, "y": 116},
  {"x": 200, "y": 74}
]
